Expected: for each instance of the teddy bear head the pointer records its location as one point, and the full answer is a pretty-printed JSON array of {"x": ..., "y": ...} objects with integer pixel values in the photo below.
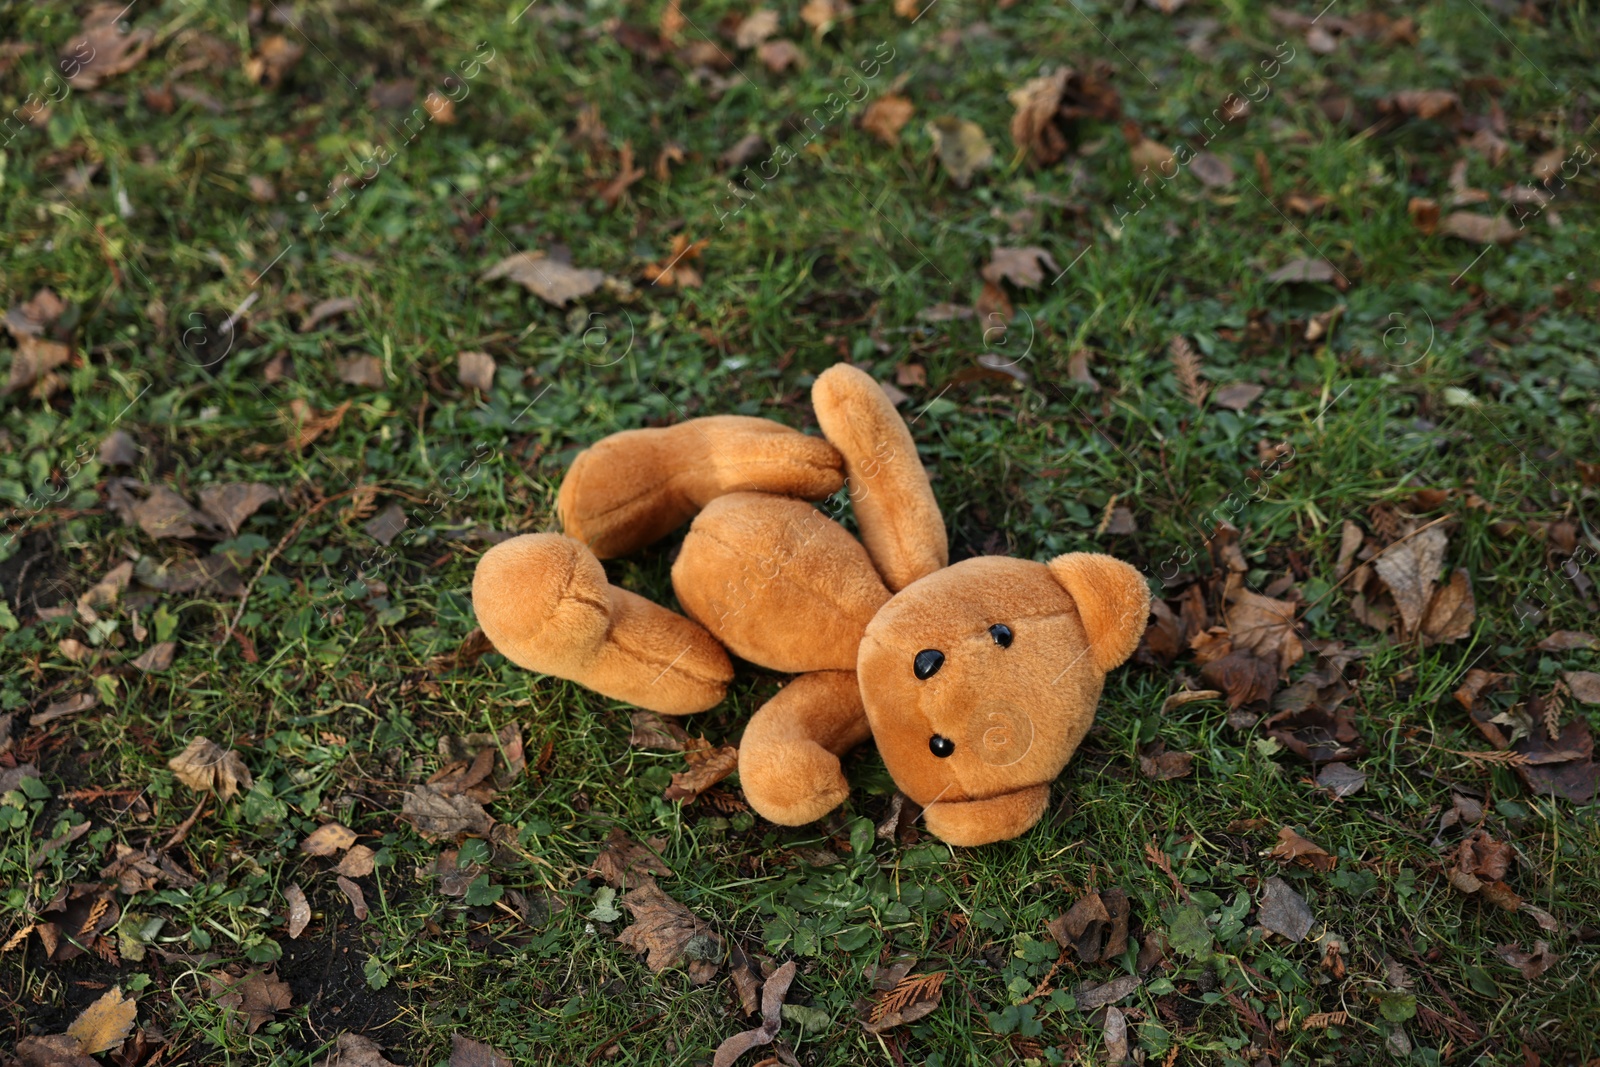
[{"x": 980, "y": 680}]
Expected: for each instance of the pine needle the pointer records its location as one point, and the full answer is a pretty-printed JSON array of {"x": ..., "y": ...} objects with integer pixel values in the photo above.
[{"x": 1186, "y": 362}]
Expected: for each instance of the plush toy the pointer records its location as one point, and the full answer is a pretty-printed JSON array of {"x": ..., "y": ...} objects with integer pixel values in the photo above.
[{"x": 977, "y": 681}]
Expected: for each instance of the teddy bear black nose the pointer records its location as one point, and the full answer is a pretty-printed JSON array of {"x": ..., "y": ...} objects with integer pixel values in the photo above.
[
  {"x": 941, "y": 746},
  {"x": 927, "y": 663}
]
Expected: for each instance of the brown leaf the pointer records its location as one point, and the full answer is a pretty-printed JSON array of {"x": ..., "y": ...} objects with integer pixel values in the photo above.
[
  {"x": 1410, "y": 569},
  {"x": 1019, "y": 266},
  {"x": 1569, "y": 640},
  {"x": 310, "y": 424},
  {"x": 1424, "y": 213},
  {"x": 549, "y": 279},
  {"x": 1480, "y": 229},
  {"x": 32, "y": 317},
  {"x": 755, "y": 28},
  {"x": 1236, "y": 396},
  {"x": 1350, "y": 540},
  {"x": 357, "y": 863},
  {"x": 1096, "y": 927},
  {"x": 779, "y": 56},
  {"x": 386, "y": 525},
  {"x": 707, "y": 767},
  {"x": 1583, "y": 685},
  {"x": 105, "y": 1024},
  {"x": 886, "y": 116},
  {"x": 327, "y": 839},
  {"x": 743, "y": 151},
  {"x": 56, "y": 1050},
  {"x": 156, "y": 658},
  {"x": 1033, "y": 126},
  {"x": 823, "y": 15},
  {"x": 1564, "y": 767},
  {"x": 669, "y": 933},
  {"x": 1092, "y": 997},
  {"x": 102, "y": 50},
  {"x": 676, "y": 269},
  {"x": 624, "y": 861},
  {"x": 913, "y": 997},
  {"x": 1317, "y": 735},
  {"x": 1147, "y": 155},
  {"x": 1477, "y": 683},
  {"x": 1078, "y": 369},
  {"x": 653, "y": 731},
  {"x": 259, "y": 996},
  {"x": 352, "y": 892},
  {"x": 437, "y": 815},
  {"x": 772, "y": 994},
  {"x": 1304, "y": 270},
  {"x": 627, "y": 175},
  {"x": 272, "y": 60},
  {"x": 363, "y": 371},
  {"x": 230, "y": 505},
  {"x": 1114, "y": 1028},
  {"x": 1531, "y": 964},
  {"x": 1157, "y": 763},
  {"x": 331, "y": 308},
  {"x": 1291, "y": 847},
  {"x": 299, "y": 910},
  {"x": 33, "y": 360},
  {"x": 204, "y": 765},
  {"x": 1212, "y": 170},
  {"x": 118, "y": 450},
  {"x": 1424, "y": 103},
  {"x": 354, "y": 1050},
  {"x": 1244, "y": 678},
  {"x": 961, "y": 147},
  {"x": 1284, "y": 912},
  {"x": 465, "y": 1052},
  {"x": 1482, "y": 856},
  {"x": 1342, "y": 780},
  {"x": 475, "y": 370},
  {"x": 1264, "y": 627}
]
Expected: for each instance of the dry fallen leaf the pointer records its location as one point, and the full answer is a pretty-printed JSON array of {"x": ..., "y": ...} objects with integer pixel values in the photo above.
[
  {"x": 755, "y": 28},
  {"x": 778, "y": 56},
  {"x": 272, "y": 60},
  {"x": 823, "y": 15},
  {"x": 1236, "y": 396},
  {"x": 1410, "y": 570},
  {"x": 436, "y": 815},
  {"x": 1480, "y": 229},
  {"x": 886, "y": 116},
  {"x": 475, "y": 370},
  {"x": 56, "y": 1050},
  {"x": 707, "y": 767},
  {"x": 1531, "y": 964},
  {"x": 1096, "y": 927},
  {"x": 1568, "y": 640},
  {"x": 1157, "y": 763},
  {"x": 1264, "y": 627},
  {"x": 105, "y": 1024},
  {"x": 231, "y": 504},
  {"x": 772, "y": 994},
  {"x": 676, "y": 270},
  {"x": 32, "y": 364},
  {"x": 913, "y": 997},
  {"x": 102, "y": 50},
  {"x": 156, "y": 658},
  {"x": 1291, "y": 847},
  {"x": 365, "y": 372},
  {"x": 465, "y": 1052},
  {"x": 624, "y": 862},
  {"x": 654, "y": 731},
  {"x": 1033, "y": 125},
  {"x": 352, "y": 892},
  {"x": 258, "y": 996},
  {"x": 357, "y": 863},
  {"x": 669, "y": 933},
  {"x": 1147, "y": 155},
  {"x": 1022, "y": 267},
  {"x": 1213, "y": 171},
  {"x": 1304, "y": 270},
  {"x": 551, "y": 280},
  {"x": 299, "y": 910},
  {"x": 1284, "y": 912},
  {"x": 354, "y": 1050},
  {"x": 310, "y": 424},
  {"x": 1583, "y": 685},
  {"x": 205, "y": 765},
  {"x": 962, "y": 148},
  {"x": 1114, "y": 1035},
  {"x": 327, "y": 839}
]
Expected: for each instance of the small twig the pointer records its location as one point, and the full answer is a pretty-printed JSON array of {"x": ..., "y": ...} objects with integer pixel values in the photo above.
[
  {"x": 266, "y": 564},
  {"x": 184, "y": 827},
  {"x": 1380, "y": 552}
]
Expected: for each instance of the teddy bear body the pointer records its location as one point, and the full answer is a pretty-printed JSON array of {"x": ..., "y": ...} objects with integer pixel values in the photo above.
[{"x": 977, "y": 681}]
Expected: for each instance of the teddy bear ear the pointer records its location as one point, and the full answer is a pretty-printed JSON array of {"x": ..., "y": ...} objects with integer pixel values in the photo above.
[{"x": 1113, "y": 602}]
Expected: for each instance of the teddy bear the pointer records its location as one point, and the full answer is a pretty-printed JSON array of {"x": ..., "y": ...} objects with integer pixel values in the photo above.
[{"x": 977, "y": 680}]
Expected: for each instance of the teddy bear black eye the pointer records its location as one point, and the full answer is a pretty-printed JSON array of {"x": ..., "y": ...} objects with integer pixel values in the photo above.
[
  {"x": 941, "y": 746},
  {"x": 1001, "y": 634},
  {"x": 926, "y": 663}
]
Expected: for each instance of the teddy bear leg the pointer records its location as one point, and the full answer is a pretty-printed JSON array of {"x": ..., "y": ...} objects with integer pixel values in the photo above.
[
  {"x": 637, "y": 486},
  {"x": 789, "y": 755},
  {"x": 545, "y": 603}
]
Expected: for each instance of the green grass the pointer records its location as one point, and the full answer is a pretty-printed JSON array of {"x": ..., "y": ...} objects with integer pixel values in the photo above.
[{"x": 1444, "y": 370}]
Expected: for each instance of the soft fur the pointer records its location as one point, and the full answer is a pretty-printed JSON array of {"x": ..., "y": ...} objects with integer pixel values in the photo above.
[{"x": 772, "y": 579}]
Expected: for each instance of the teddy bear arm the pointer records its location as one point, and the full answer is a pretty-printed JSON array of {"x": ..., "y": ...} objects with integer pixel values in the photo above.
[
  {"x": 789, "y": 755},
  {"x": 889, "y": 491},
  {"x": 544, "y": 602},
  {"x": 635, "y": 487}
]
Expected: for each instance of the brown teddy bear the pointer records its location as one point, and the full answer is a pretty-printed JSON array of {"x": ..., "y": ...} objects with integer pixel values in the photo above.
[{"x": 977, "y": 681}]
